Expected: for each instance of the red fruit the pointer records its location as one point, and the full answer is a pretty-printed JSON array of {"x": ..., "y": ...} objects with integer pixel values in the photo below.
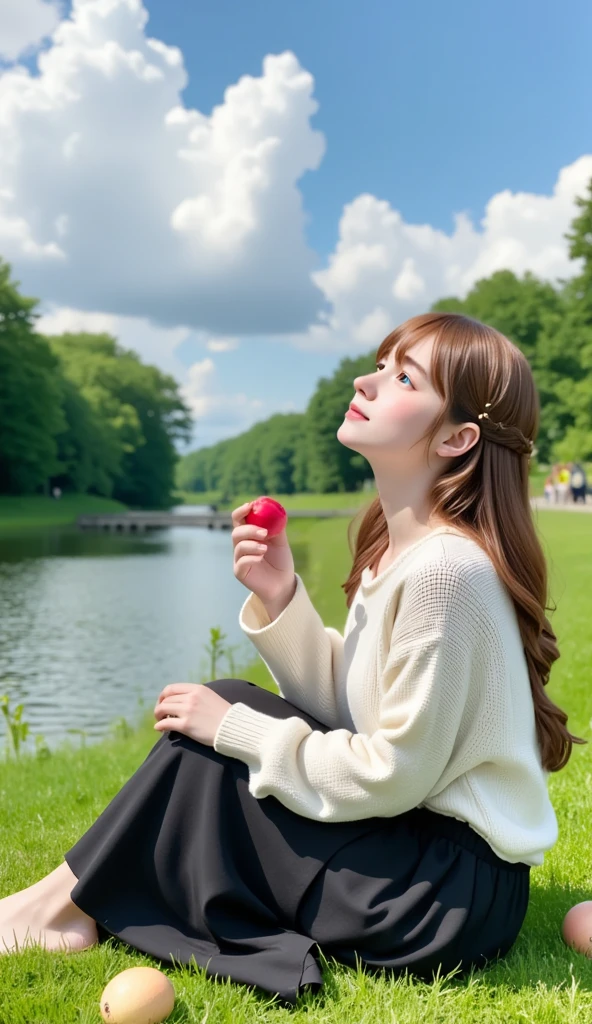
[{"x": 268, "y": 513}]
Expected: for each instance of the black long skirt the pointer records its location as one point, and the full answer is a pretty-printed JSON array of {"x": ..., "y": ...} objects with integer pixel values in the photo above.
[{"x": 185, "y": 863}]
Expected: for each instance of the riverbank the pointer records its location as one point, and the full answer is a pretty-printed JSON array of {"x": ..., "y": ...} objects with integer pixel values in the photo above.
[
  {"x": 31, "y": 511},
  {"x": 50, "y": 802},
  {"x": 35, "y": 510}
]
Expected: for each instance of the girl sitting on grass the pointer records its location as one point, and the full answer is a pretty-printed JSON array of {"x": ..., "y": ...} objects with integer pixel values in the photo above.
[{"x": 388, "y": 805}]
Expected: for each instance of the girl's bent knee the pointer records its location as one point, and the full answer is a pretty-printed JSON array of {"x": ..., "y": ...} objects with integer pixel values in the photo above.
[{"x": 232, "y": 690}]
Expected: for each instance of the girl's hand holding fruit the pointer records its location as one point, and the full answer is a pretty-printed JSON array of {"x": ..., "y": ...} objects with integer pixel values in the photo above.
[
  {"x": 262, "y": 557},
  {"x": 265, "y": 565}
]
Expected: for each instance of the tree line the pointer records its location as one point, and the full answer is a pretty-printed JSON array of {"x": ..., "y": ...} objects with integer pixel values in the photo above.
[
  {"x": 80, "y": 412},
  {"x": 552, "y": 325}
]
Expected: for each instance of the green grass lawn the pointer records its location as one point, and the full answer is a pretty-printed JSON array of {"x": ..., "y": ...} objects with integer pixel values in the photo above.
[
  {"x": 47, "y": 804},
  {"x": 34, "y": 510}
]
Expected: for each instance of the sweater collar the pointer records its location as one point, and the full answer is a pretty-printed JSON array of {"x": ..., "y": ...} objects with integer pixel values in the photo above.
[{"x": 368, "y": 584}]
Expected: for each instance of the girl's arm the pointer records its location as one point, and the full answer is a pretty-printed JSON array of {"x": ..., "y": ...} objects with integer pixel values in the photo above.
[
  {"x": 303, "y": 656},
  {"x": 343, "y": 776}
]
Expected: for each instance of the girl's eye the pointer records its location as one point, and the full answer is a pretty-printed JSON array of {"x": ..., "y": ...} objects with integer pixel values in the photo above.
[{"x": 403, "y": 374}]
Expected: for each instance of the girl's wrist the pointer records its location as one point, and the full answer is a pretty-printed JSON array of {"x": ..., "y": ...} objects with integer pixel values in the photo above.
[{"x": 275, "y": 608}]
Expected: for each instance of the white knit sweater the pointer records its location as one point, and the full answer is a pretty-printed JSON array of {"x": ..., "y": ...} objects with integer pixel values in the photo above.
[{"x": 426, "y": 695}]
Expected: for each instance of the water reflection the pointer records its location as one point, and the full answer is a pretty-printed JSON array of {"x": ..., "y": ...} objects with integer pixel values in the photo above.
[
  {"x": 72, "y": 543},
  {"x": 94, "y": 622}
]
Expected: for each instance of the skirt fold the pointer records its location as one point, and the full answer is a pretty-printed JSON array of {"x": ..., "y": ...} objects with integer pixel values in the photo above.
[{"x": 184, "y": 864}]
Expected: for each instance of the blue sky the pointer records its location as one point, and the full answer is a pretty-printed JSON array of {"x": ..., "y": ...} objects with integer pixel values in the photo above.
[
  {"x": 270, "y": 187},
  {"x": 433, "y": 106}
]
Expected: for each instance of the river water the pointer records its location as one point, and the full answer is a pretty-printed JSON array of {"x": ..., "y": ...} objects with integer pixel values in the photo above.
[{"x": 93, "y": 624}]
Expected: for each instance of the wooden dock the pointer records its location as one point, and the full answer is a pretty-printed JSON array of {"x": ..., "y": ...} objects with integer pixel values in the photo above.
[{"x": 139, "y": 522}]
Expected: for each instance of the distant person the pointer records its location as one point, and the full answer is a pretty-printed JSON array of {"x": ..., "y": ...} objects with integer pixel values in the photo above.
[
  {"x": 578, "y": 482},
  {"x": 549, "y": 489},
  {"x": 57, "y": 493},
  {"x": 563, "y": 478}
]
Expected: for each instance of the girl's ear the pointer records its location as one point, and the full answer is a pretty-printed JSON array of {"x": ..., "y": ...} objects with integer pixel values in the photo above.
[{"x": 461, "y": 439}]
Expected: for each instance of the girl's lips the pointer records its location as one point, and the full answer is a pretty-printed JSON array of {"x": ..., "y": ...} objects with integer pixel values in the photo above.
[{"x": 353, "y": 415}]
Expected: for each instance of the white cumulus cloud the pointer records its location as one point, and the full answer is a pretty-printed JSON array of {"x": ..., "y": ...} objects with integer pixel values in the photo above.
[
  {"x": 115, "y": 196},
  {"x": 199, "y": 394},
  {"x": 409, "y": 284},
  {"x": 24, "y": 24},
  {"x": 383, "y": 270},
  {"x": 124, "y": 211},
  {"x": 222, "y": 344}
]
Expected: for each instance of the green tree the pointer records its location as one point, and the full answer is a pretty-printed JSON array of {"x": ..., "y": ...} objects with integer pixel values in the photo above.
[
  {"x": 515, "y": 306},
  {"x": 140, "y": 409},
  {"x": 148, "y": 471},
  {"x": 543, "y": 322},
  {"x": 331, "y": 465},
  {"x": 31, "y": 415},
  {"x": 580, "y": 247},
  {"x": 279, "y": 444},
  {"x": 87, "y": 457}
]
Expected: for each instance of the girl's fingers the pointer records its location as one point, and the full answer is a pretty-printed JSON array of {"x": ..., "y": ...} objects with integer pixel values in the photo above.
[
  {"x": 175, "y": 688},
  {"x": 238, "y": 514},
  {"x": 164, "y": 716},
  {"x": 168, "y": 723},
  {"x": 169, "y": 701},
  {"x": 171, "y": 704}
]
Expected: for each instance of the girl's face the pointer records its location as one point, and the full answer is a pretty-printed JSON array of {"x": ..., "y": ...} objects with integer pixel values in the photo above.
[{"x": 401, "y": 405}]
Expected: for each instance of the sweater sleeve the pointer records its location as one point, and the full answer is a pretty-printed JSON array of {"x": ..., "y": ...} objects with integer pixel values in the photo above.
[
  {"x": 343, "y": 776},
  {"x": 302, "y": 655}
]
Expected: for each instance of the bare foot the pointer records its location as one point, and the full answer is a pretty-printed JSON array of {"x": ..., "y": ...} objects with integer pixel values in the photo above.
[
  {"x": 44, "y": 915},
  {"x": 19, "y": 932}
]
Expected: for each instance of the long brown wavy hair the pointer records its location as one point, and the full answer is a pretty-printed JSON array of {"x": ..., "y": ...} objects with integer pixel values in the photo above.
[{"x": 485, "y": 491}]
